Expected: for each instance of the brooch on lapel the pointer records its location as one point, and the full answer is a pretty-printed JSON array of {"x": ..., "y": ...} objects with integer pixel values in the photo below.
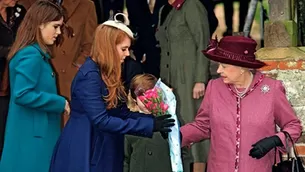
[{"x": 265, "y": 89}]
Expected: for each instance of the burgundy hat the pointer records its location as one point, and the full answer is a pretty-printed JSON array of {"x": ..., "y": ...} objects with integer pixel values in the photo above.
[{"x": 234, "y": 50}]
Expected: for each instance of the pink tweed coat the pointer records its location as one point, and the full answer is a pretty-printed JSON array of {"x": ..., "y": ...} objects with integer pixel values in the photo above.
[{"x": 234, "y": 123}]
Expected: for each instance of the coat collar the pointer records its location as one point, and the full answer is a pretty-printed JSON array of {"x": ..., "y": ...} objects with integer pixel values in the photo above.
[
  {"x": 178, "y": 4},
  {"x": 44, "y": 54},
  {"x": 89, "y": 65},
  {"x": 70, "y": 6}
]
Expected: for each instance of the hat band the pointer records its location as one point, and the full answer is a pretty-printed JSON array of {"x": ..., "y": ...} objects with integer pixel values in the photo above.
[{"x": 234, "y": 56}]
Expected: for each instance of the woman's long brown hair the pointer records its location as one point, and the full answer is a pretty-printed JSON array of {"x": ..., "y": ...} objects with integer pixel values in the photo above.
[
  {"x": 105, "y": 54},
  {"x": 41, "y": 12}
]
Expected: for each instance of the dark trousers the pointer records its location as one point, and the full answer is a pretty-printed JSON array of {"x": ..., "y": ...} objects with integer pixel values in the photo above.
[
  {"x": 4, "y": 102},
  {"x": 243, "y": 10}
]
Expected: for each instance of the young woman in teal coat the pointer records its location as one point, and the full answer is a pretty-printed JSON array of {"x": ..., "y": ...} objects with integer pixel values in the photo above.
[{"x": 33, "y": 123}]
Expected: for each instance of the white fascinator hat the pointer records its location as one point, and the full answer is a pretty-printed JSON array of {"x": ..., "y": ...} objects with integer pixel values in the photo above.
[{"x": 119, "y": 24}]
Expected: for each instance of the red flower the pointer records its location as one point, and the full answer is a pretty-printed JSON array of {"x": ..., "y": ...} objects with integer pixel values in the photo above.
[{"x": 152, "y": 99}]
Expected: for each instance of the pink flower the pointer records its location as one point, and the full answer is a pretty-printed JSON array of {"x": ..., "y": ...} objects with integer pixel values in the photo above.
[
  {"x": 164, "y": 107},
  {"x": 142, "y": 98},
  {"x": 152, "y": 99},
  {"x": 152, "y": 93},
  {"x": 148, "y": 105}
]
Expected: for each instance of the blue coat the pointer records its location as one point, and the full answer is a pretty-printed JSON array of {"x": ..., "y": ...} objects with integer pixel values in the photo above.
[
  {"x": 33, "y": 124},
  {"x": 93, "y": 138}
]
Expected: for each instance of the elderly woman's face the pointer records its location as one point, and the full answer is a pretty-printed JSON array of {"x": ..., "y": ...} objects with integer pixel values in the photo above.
[
  {"x": 8, "y": 3},
  {"x": 229, "y": 73}
]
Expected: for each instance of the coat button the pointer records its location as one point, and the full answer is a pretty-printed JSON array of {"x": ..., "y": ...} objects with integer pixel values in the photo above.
[
  {"x": 165, "y": 28},
  {"x": 63, "y": 71},
  {"x": 167, "y": 65},
  {"x": 167, "y": 53},
  {"x": 149, "y": 152}
]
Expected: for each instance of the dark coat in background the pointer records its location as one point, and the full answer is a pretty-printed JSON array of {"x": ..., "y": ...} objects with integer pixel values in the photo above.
[
  {"x": 130, "y": 69},
  {"x": 103, "y": 8},
  {"x": 144, "y": 24},
  {"x": 8, "y": 32}
]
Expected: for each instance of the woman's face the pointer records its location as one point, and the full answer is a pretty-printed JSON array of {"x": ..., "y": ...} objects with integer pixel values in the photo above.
[
  {"x": 123, "y": 48},
  {"x": 8, "y": 3},
  {"x": 229, "y": 73},
  {"x": 50, "y": 31},
  {"x": 142, "y": 107}
]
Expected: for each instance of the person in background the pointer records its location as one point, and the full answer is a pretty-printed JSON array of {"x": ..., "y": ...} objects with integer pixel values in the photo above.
[
  {"x": 76, "y": 41},
  {"x": 11, "y": 15},
  {"x": 183, "y": 31},
  {"x": 130, "y": 68},
  {"x": 143, "y": 16},
  {"x": 240, "y": 111},
  {"x": 228, "y": 9},
  {"x": 35, "y": 109},
  {"x": 144, "y": 154},
  {"x": 74, "y": 45},
  {"x": 93, "y": 138}
]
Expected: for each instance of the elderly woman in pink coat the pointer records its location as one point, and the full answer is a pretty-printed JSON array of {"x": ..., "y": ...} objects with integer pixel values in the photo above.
[{"x": 240, "y": 111}]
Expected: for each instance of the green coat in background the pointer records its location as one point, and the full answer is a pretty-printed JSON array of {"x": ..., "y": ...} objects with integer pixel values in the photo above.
[
  {"x": 182, "y": 36},
  {"x": 150, "y": 155}
]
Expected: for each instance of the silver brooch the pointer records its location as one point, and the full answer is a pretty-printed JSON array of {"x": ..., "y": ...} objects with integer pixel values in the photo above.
[
  {"x": 17, "y": 14},
  {"x": 18, "y": 9},
  {"x": 265, "y": 89}
]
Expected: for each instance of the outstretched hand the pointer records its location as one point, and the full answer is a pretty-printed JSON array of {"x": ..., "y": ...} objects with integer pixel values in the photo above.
[{"x": 163, "y": 123}]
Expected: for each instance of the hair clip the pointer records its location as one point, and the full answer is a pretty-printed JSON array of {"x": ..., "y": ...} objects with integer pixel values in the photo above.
[
  {"x": 119, "y": 24},
  {"x": 139, "y": 91}
]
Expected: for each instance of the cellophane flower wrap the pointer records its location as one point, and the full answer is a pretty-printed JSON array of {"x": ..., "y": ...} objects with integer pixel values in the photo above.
[{"x": 159, "y": 101}]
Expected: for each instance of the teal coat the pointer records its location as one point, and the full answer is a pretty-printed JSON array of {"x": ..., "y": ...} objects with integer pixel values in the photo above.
[{"x": 33, "y": 124}]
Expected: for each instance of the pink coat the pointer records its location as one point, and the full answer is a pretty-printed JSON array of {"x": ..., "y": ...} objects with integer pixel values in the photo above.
[{"x": 233, "y": 129}]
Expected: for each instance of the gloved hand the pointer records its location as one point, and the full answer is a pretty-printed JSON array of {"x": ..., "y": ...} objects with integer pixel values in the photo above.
[
  {"x": 164, "y": 135},
  {"x": 163, "y": 123},
  {"x": 262, "y": 147}
]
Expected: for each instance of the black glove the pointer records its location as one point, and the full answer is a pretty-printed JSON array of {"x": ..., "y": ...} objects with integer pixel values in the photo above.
[
  {"x": 164, "y": 135},
  {"x": 163, "y": 123},
  {"x": 262, "y": 147}
]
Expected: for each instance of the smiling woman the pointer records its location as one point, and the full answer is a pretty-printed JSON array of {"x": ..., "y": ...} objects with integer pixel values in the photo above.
[{"x": 33, "y": 124}]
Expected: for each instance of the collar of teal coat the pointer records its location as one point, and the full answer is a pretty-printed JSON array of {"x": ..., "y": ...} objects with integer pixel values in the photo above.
[{"x": 44, "y": 54}]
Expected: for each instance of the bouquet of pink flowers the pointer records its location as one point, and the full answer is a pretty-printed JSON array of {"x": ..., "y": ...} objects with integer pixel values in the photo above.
[{"x": 153, "y": 101}]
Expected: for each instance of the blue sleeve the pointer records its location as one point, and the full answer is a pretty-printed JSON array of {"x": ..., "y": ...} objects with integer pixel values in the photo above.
[
  {"x": 25, "y": 92},
  {"x": 126, "y": 113},
  {"x": 88, "y": 91}
]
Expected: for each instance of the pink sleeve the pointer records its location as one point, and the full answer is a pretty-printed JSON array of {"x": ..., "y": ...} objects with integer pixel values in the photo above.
[
  {"x": 285, "y": 116},
  {"x": 200, "y": 128}
]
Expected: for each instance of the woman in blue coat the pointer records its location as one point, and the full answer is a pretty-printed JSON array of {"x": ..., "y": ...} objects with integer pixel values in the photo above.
[
  {"x": 33, "y": 124},
  {"x": 93, "y": 138}
]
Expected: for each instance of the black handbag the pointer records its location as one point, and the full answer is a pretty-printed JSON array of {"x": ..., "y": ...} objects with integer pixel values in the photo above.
[{"x": 292, "y": 164}]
